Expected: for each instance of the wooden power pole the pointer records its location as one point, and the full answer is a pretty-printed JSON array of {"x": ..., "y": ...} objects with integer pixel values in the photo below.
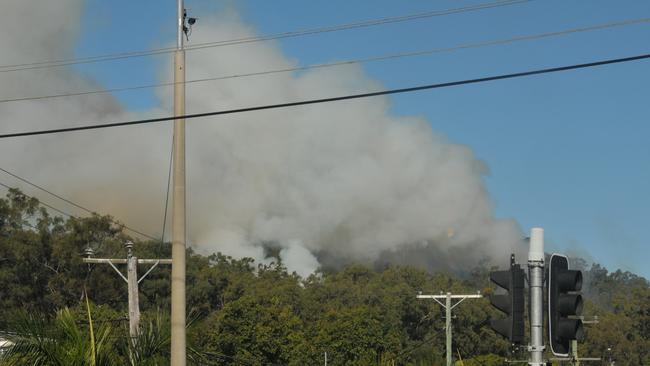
[
  {"x": 131, "y": 279},
  {"x": 448, "y": 307}
]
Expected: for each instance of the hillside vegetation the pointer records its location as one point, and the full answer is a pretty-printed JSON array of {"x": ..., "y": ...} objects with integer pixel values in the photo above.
[{"x": 243, "y": 313}]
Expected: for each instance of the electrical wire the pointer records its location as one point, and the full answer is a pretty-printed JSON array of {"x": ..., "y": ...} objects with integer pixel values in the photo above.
[
  {"x": 348, "y": 62},
  {"x": 409, "y": 350},
  {"x": 41, "y": 203},
  {"x": 330, "y": 99},
  {"x": 364, "y": 24},
  {"x": 169, "y": 179},
  {"x": 64, "y": 200},
  {"x": 291, "y": 34},
  {"x": 223, "y": 356},
  {"x": 46, "y": 191}
]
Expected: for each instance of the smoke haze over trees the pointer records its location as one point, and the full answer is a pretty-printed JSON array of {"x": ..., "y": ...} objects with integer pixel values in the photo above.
[{"x": 338, "y": 181}]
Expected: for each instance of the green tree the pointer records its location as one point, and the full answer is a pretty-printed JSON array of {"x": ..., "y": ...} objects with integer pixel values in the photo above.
[{"x": 60, "y": 342}]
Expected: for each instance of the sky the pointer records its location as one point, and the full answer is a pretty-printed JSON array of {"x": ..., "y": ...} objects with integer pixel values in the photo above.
[{"x": 567, "y": 152}]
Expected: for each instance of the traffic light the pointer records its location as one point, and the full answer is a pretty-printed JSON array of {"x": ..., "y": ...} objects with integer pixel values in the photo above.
[
  {"x": 563, "y": 301},
  {"x": 511, "y": 303}
]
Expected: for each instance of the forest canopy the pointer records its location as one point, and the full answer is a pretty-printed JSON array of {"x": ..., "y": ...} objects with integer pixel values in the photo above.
[{"x": 247, "y": 313}]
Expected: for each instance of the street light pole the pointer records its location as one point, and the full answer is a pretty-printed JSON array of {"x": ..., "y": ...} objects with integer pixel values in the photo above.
[{"x": 178, "y": 345}]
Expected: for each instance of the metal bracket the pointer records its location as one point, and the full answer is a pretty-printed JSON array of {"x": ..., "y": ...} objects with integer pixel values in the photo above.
[
  {"x": 118, "y": 271},
  {"x": 533, "y": 348},
  {"x": 149, "y": 271}
]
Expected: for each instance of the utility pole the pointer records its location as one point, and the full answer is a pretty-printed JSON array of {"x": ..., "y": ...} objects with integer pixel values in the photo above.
[
  {"x": 448, "y": 307},
  {"x": 536, "y": 283},
  {"x": 131, "y": 279},
  {"x": 132, "y": 282},
  {"x": 178, "y": 352}
]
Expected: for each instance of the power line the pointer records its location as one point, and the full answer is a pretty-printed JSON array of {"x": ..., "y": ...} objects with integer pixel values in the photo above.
[
  {"x": 47, "y": 191},
  {"x": 330, "y": 99},
  {"x": 223, "y": 356},
  {"x": 64, "y": 200},
  {"x": 26, "y": 223},
  {"x": 414, "y": 347},
  {"x": 169, "y": 179},
  {"x": 349, "y": 62},
  {"x": 291, "y": 34},
  {"x": 41, "y": 203},
  {"x": 364, "y": 24}
]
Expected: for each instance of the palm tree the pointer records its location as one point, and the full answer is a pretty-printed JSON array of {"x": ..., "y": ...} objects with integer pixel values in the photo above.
[
  {"x": 151, "y": 346},
  {"x": 60, "y": 342}
]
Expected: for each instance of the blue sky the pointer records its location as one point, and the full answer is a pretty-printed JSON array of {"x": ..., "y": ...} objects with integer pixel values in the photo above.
[{"x": 568, "y": 152}]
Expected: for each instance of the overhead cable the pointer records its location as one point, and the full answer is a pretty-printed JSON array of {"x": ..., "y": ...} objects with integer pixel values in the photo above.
[
  {"x": 169, "y": 180},
  {"x": 291, "y": 34},
  {"x": 328, "y": 100},
  {"x": 41, "y": 203},
  {"x": 347, "y": 62},
  {"x": 64, "y": 200}
]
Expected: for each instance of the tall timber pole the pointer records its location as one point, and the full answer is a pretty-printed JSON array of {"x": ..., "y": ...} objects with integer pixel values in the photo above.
[{"x": 178, "y": 348}]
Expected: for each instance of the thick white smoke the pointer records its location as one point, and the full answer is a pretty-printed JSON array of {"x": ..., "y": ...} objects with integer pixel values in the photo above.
[
  {"x": 347, "y": 179},
  {"x": 118, "y": 171}
]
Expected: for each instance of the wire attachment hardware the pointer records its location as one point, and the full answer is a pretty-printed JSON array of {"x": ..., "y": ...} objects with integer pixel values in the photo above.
[{"x": 187, "y": 24}]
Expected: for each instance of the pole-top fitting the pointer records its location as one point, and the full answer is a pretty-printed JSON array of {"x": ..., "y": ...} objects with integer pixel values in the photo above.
[
  {"x": 89, "y": 252},
  {"x": 536, "y": 251},
  {"x": 129, "y": 248},
  {"x": 187, "y": 23}
]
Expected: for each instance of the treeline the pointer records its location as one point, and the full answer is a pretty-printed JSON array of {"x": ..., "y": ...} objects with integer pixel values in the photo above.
[{"x": 243, "y": 313}]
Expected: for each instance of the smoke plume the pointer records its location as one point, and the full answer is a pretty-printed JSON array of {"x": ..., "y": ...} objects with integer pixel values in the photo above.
[{"x": 340, "y": 180}]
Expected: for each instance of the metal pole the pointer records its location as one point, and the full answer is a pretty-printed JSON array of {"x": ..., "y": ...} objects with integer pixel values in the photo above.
[
  {"x": 325, "y": 358},
  {"x": 574, "y": 352},
  {"x": 536, "y": 283},
  {"x": 180, "y": 23},
  {"x": 134, "y": 301},
  {"x": 448, "y": 326},
  {"x": 178, "y": 355}
]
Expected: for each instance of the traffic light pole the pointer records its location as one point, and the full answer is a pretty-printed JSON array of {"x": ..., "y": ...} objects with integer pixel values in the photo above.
[
  {"x": 536, "y": 285},
  {"x": 448, "y": 307},
  {"x": 564, "y": 303}
]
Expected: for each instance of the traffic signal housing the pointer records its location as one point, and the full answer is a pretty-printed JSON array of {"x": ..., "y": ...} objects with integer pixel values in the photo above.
[
  {"x": 563, "y": 302},
  {"x": 512, "y": 303}
]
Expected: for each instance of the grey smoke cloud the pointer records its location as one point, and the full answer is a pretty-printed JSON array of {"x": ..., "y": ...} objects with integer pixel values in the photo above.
[{"x": 349, "y": 179}]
